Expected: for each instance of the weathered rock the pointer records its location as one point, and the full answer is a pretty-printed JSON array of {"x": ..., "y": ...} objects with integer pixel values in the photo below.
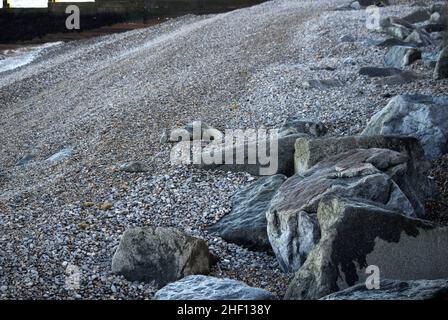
[
  {"x": 357, "y": 234},
  {"x": 280, "y": 163},
  {"x": 430, "y": 58},
  {"x": 26, "y": 159},
  {"x": 414, "y": 181},
  {"x": 210, "y": 288},
  {"x": 441, "y": 69},
  {"x": 379, "y": 72},
  {"x": 391, "y": 42},
  {"x": 161, "y": 255},
  {"x": 401, "y": 56},
  {"x": 364, "y": 173},
  {"x": 295, "y": 125},
  {"x": 395, "y": 27},
  {"x": 323, "y": 84},
  {"x": 423, "y": 117},
  {"x": 402, "y": 78},
  {"x": 395, "y": 290},
  {"x": 355, "y": 5},
  {"x": 134, "y": 166},
  {"x": 419, "y": 37},
  {"x": 196, "y": 130},
  {"x": 61, "y": 155},
  {"x": 246, "y": 223},
  {"x": 420, "y": 15}
]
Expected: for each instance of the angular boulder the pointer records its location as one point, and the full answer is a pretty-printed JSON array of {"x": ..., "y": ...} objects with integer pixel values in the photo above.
[
  {"x": 357, "y": 234},
  {"x": 413, "y": 181},
  {"x": 419, "y": 15},
  {"x": 423, "y": 117},
  {"x": 396, "y": 27},
  {"x": 280, "y": 163},
  {"x": 246, "y": 224},
  {"x": 293, "y": 229},
  {"x": 395, "y": 290},
  {"x": 401, "y": 56},
  {"x": 211, "y": 288},
  {"x": 160, "y": 255},
  {"x": 441, "y": 69}
]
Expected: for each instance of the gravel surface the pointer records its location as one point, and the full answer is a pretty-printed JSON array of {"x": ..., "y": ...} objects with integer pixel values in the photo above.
[{"x": 107, "y": 100}]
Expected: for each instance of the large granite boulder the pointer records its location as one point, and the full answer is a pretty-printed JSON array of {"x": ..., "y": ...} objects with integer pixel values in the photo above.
[
  {"x": 441, "y": 69},
  {"x": 293, "y": 229},
  {"x": 245, "y": 156},
  {"x": 413, "y": 181},
  {"x": 423, "y": 117},
  {"x": 357, "y": 234},
  {"x": 160, "y": 255},
  {"x": 395, "y": 290},
  {"x": 401, "y": 56},
  {"x": 246, "y": 223},
  {"x": 210, "y": 288}
]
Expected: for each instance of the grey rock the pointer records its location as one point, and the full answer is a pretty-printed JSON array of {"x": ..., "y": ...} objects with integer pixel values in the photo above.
[
  {"x": 61, "y": 155},
  {"x": 365, "y": 173},
  {"x": 246, "y": 223},
  {"x": 210, "y": 288},
  {"x": 402, "y": 78},
  {"x": 391, "y": 42},
  {"x": 430, "y": 58},
  {"x": 395, "y": 290},
  {"x": 134, "y": 166},
  {"x": 401, "y": 56},
  {"x": 414, "y": 181},
  {"x": 357, "y": 234},
  {"x": 26, "y": 159},
  {"x": 283, "y": 163},
  {"x": 347, "y": 38},
  {"x": 423, "y": 117},
  {"x": 435, "y": 18},
  {"x": 159, "y": 255},
  {"x": 379, "y": 72},
  {"x": 441, "y": 69},
  {"x": 396, "y": 27},
  {"x": 355, "y": 5},
  {"x": 417, "y": 16},
  {"x": 419, "y": 37},
  {"x": 322, "y": 84},
  {"x": 294, "y": 125}
]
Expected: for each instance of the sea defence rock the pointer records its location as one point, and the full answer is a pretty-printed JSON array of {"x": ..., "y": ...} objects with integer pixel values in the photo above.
[
  {"x": 395, "y": 290},
  {"x": 396, "y": 27},
  {"x": 413, "y": 180},
  {"x": 160, "y": 255},
  {"x": 401, "y": 56},
  {"x": 246, "y": 223},
  {"x": 210, "y": 288},
  {"x": 419, "y": 15},
  {"x": 423, "y": 117},
  {"x": 277, "y": 156},
  {"x": 441, "y": 69},
  {"x": 293, "y": 229},
  {"x": 357, "y": 234}
]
